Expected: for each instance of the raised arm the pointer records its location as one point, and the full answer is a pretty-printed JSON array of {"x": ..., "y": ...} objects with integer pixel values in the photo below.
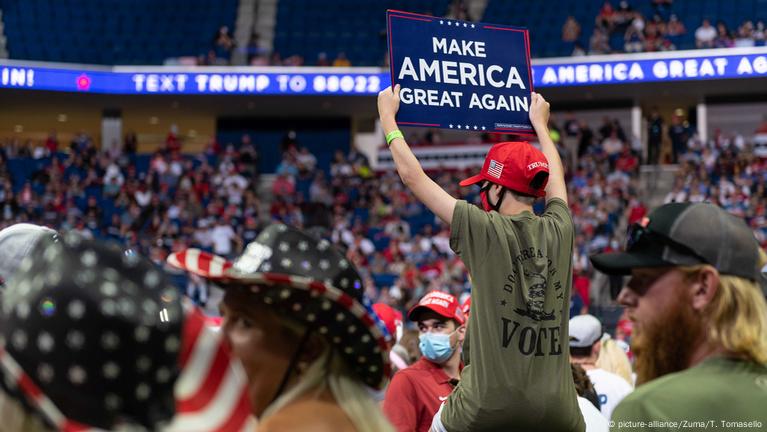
[
  {"x": 539, "y": 117},
  {"x": 408, "y": 167}
]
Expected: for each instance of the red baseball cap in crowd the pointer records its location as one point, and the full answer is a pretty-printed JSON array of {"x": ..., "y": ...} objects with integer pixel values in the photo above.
[
  {"x": 442, "y": 304},
  {"x": 516, "y": 165},
  {"x": 391, "y": 317}
]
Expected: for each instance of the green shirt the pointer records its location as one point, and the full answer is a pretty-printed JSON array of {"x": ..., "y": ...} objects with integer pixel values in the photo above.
[
  {"x": 518, "y": 376},
  {"x": 719, "y": 393}
]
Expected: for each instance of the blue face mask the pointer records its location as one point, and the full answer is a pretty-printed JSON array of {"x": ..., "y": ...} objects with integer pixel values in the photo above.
[{"x": 436, "y": 347}]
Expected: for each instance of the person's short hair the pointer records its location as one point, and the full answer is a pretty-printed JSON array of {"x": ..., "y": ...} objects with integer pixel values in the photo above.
[
  {"x": 522, "y": 197},
  {"x": 737, "y": 316},
  {"x": 580, "y": 351}
]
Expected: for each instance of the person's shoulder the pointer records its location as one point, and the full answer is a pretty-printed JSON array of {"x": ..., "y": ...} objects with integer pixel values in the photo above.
[
  {"x": 418, "y": 368},
  {"x": 672, "y": 391},
  {"x": 557, "y": 211},
  {"x": 556, "y": 202},
  {"x": 612, "y": 378},
  {"x": 310, "y": 415}
]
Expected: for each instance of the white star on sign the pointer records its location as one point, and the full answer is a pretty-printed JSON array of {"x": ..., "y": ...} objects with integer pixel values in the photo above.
[
  {"x": 467, "y": 126},
  {"x": 459, "y": 126},
  {"x": 441, "y": 22},
  {"x": 475, "y": 127},
  {"x": 465, "y": 25},
  {"x": 449, "y": 23},
  {"x": 472, "y": 26},
  {"x": 483, "y": 128},
  {"x": 451, "y": 126}
]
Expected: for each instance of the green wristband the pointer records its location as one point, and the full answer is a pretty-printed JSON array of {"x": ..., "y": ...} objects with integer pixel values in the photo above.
[{"x": 391, "y": 136}]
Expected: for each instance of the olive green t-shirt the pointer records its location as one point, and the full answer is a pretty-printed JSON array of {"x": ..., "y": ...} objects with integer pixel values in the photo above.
[
  {"x": 518, "y": 376},
  {"x": 718, "y": 394}
]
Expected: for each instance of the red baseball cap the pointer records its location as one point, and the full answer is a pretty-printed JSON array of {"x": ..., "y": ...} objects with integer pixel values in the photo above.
[
  {"x": 516, "y": 165},
  {"x": 442, "y": 304},
  {"x": 391, "y": 317}
]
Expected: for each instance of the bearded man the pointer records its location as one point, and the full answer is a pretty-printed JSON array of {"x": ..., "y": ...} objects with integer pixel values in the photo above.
[{"x": 700, "y": 318}]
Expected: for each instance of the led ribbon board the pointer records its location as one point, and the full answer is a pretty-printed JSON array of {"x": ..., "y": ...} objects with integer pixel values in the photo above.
[{"x": 673, "y": 66}]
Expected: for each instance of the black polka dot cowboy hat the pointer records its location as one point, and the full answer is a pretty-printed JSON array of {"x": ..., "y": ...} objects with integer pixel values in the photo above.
[
  {"x": 310, "y": 281},
  {"x": 93, "y": 336}
]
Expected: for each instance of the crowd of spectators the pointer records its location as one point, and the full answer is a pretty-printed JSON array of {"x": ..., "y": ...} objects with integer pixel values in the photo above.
[
  {"x": 209, "y": 201},
  {"x": 154, "y": 204},
  {"x": 747, "y": 35},
  {"x": 663, "y": 31},
  {"x": 726, "y": 172}
]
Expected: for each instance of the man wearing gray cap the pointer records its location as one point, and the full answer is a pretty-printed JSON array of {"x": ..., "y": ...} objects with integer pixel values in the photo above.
[
  {"x": 585, "y": 342},
  {"x": 16, "y": 242},
  {"x": 700, "y": 318}
]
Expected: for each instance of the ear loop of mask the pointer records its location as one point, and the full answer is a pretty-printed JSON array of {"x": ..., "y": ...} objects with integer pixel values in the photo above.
[
  {"x": 292, "y": 365},
  {"x": 486, "y": 198}
]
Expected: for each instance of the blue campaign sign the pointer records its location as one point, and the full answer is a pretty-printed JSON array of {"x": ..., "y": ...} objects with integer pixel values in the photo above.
[{"x": 460, "y": 75}]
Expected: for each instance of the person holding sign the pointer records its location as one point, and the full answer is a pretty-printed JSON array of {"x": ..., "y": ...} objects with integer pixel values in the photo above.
[{"x": 518, "y": 376}]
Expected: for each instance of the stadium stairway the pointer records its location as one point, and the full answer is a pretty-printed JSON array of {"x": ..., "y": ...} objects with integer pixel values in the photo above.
[
  {"x": 3, "y": 51},
  {"x": 246, "y": 16},
  {"x": 266, "y": 22},
  {"x": 656, "y": 181}
]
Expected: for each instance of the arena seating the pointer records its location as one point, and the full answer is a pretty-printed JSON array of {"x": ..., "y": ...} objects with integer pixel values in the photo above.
[
  {"x": 308, "y": 28},
  {"x": 356, "y": 27},
  {"x": 148, "y": 32},
  {"x": 113, "y": 31}
]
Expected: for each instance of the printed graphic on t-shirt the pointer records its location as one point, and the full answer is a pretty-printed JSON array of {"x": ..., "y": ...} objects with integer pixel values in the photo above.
[
  {"x": 532, "y": 340},
  {"x": 537, "y": 293}
]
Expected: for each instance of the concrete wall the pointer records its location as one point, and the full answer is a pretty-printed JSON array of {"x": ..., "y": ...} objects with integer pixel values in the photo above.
[{"x": 741, "y": 118}]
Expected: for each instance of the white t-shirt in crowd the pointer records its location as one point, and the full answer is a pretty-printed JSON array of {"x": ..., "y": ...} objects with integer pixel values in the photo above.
[
  {"x": 222, "y": 236},
  {"x": 705, "y": 34},
  {"x": 595, "y": 421},
  {"x": 611, "y": 389}
]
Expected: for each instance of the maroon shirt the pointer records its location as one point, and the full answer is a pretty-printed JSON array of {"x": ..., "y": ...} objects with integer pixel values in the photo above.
[{"x": 415, "y": 394}]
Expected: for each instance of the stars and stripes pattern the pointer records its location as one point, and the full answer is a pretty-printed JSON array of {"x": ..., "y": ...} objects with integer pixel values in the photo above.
[
  {"x": 495, "y": 169},
  {"x": 199, "y": 262},
  {"x": 211, "y": 394}
]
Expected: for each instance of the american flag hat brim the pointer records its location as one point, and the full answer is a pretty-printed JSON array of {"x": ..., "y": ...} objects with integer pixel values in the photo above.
[
  {"x": 308, "y": 280},
  {"x": 200, "y": 263}
]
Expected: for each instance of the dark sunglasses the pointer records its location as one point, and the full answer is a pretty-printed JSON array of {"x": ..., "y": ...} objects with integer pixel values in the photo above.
[{"x": 637, "y": 232}]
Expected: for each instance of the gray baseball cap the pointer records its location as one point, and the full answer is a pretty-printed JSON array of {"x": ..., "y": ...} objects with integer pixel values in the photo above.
[
  {"x": 585, "y": 331},
  {"x": 682, "y": 234},
  {"x": 16, "y": 242}
]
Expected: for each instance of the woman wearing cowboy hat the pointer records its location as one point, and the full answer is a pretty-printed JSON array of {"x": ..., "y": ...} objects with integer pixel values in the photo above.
[{"x": 295, "y": 315}]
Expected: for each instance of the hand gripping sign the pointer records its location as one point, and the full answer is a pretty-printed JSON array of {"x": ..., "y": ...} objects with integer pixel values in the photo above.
[{"x": 460, "y": 75}]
